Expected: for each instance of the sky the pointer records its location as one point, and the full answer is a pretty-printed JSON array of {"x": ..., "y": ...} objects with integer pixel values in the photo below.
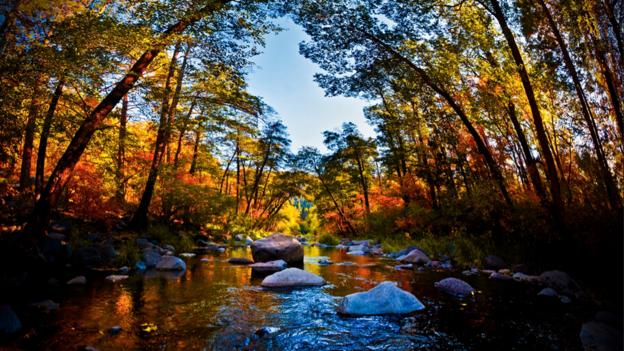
[{"x": 285, "y": 80}]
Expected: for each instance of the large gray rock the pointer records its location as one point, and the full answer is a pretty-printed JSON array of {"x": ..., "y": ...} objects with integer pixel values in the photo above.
[
  {"x": 278, "y": 247},
  {"x": 494, "y": 262},
  {"x": 358, "y": 248},
  {"x": 9, "y": 322},
  {"x": 385, "y": 298},
  {"x": 271, "y": 266},
  {"x": 151, "y": 258},
  {"x": 79, "y": 280},
  {"x": 292, "y": 277},
  {"x": 171, "y": 263},
  {"x": 455, "y": 287},
  {"x": 415, "y": 256},
  {"x": 598, "y": 336},
  {"x": 560, "y": 281}
]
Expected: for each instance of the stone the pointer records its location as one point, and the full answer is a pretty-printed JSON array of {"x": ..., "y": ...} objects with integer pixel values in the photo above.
[
  {"x": 404, "y": 266},
  {"x": 360, "y": 242},
  {"x": 505, "y": 271},
  {"x": 46, "y": 306},
  {"x": 548, "y": 292},
  {"x": 169, "y": 248},
  {"x": 358, "y": 248},
  {"x": 325, "y": 262},
  {"x": 264, "y": 331},
  {"x": 205, "y": 259},
  {"x": 560, "y": 281},
  {"x": 564, "y": 299},
  {"x": 115, "y": 330},
  {"x": 187, "y": 254},
  {"x": 341, "y": 247},
  {"x": 9, "y": 322},
  {"x": 140, "y": 266},
  {"x": 292, "y": 277},
  {"x": 376, "y": 250},
  {"x": 455, "y": 287},
  {"x": 240, "y": 261},
  {"x": 114, "y": 278},
  {"x": 356, "y": 253},
  {"x": 524, "y": 278},
  {"x": 171, "y": 263},
  {"x": 494, "y": 262},
  {"x": 385, "y": 298},
  {"x": 500, "y": 276},
  {"x": 278, "y": 247},
  {"x": 151, "y": 258},
  {"x": 124, "y": 270},
  {"x": 271, "y": 266},
  {"x": 597, "y": 336},
  {"x": 415, "y": 256},
  {"x": 79, "y": 280}
]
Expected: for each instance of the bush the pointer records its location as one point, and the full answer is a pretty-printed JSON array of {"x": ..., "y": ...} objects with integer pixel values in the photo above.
[{"x": 328, "y": 239}]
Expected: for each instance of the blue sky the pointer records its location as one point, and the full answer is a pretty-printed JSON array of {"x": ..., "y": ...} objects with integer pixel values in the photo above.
[{"x": 285, "y": 80}]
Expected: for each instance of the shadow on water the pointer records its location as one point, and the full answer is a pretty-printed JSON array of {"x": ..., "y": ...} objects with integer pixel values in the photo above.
[{"x": 218, "y": 306}]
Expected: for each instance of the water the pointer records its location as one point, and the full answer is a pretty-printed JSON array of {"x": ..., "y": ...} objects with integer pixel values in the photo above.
[{"x": 218, "y": 306}]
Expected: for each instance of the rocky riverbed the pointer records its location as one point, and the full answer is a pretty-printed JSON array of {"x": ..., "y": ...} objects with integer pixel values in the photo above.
[{"x": 216, "y": 305}]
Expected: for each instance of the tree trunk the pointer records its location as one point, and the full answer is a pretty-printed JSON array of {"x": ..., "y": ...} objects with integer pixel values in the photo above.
[
  {"x": 175, "y": 100},
  {"x": 139, "y": 220},
  {"x": 531, "y": 163},
  {"x": 121, "y": 152},
  {"x": 610, "y": 186},
  {"x": 551, "y": 170},
  {"x": 340, "y": 212},
  {"x": 493, "y": 168},
  {"x": 193, "y": 168},
  {"x": 29, "y": 136},
  {"x": 176, "y": 158},
  {"x": 64, "y": 167},
  {"x": 45, "y": 133}
]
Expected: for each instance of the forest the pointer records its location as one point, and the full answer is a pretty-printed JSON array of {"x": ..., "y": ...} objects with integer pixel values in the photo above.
[{"x": 499, "y": 130}]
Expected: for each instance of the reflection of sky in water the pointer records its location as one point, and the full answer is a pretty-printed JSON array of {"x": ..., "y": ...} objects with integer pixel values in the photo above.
[{"x": 218, "y": 306}]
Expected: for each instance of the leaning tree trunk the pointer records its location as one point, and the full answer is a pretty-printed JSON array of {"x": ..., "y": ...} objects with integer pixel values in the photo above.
[
  {"x": 542, "y": 138},
  {"x": 62, "y": 171},
  {"x": 491, "y": 164},
  {"x": 610, "y": 186},
  {"x": 175, "y": 100},
  {"x": 139, "y": 219},
  {"x": 45, "y": 133}
]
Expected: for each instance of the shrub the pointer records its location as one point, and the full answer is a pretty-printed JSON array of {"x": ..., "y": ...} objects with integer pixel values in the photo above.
[{"x": 328, "y": 239}]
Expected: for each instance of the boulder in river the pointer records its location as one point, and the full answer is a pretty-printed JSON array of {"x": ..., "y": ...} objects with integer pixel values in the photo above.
[
  {"x": 500, "y": 276},
  {"x": 455, "y": 287},
  {"x": 278, "y": 247},
  {"x": 171, "y": 263},
  {"x": 385, "y": 298},
  {"x": 525, "y": 278},
  {"x": 79, "y": 280},
  {"x": 494, "y": 262},
  {"x": 151, "y": 258},
  {"x": 9, "y": 322},
  {"x": 271, "y": 266},
  {"x": 598, "y": 336},
  {"x": 358, "y": 248},
  {"x": 240, "y": 261},
  {"x": 560, "y": 281},
  {"x": 415, "y": 256},
  {"x": 292, "y": 277},
  {"x": 548, "y": 292}
]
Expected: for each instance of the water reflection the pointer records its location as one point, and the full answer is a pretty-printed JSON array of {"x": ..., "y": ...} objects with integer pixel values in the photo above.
[{"x": 218, "y": 306}]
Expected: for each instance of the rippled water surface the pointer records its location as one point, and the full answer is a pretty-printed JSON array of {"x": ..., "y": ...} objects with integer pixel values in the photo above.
[{"x": 218, "y": 306}]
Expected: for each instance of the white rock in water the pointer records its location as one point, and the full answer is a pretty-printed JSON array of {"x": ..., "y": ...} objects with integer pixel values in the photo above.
[
  {"x": 116, "y": 278},
  {"x": 271, "y": 266},
  {"x": 385, "y": 298},
  {"x": 292, "y": 277},
  {"x": 79, "y": 280},
  {"x": 454, "y": 286},
  {"x": 171, "y": 263}
]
